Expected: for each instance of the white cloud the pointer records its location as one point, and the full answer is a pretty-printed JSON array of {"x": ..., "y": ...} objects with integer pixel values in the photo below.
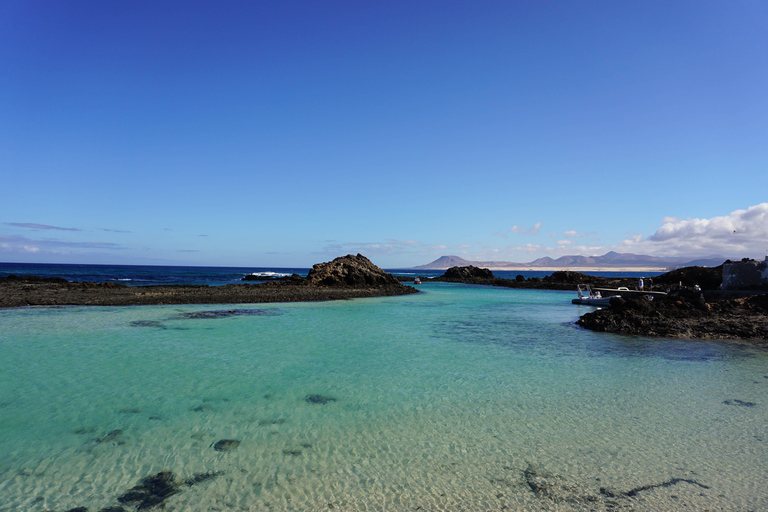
[
  {"x": 32, "y": 225},
  {"x": 20, "y": 244},
  {"x": 575, "y": 234},
  {"x": 742, "y": 233},
  {"x": 521, "y": 230}
]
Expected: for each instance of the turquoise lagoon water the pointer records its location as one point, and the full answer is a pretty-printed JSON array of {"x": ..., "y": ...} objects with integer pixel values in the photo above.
[{"x": 457, "y": 398}]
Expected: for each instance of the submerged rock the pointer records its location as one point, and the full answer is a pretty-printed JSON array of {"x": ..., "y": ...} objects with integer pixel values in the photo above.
[
  {"x": 319, "y": 399},
  {"x": 225, "y": 445},
  {"x": 227, "y": 313}
]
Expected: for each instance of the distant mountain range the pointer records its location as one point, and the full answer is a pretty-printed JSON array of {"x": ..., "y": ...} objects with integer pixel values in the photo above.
[{"x": 608, "y": 260}]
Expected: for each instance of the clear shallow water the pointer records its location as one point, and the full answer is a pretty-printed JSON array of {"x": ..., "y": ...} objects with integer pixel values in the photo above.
[{"x": 458, "y": 398}]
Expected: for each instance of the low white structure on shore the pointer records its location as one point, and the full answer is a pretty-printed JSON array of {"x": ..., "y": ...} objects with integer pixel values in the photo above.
[{"x": 745, "y": 274}]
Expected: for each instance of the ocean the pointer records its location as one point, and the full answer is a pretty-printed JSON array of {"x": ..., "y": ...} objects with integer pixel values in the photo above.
[
  {"x": 459, "y": 398},
  {"x": 144, "y": 275}
]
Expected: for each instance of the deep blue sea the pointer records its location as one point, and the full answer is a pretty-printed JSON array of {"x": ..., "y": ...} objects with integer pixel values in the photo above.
[
  {"x": 458, "y": 398},
  {"x": 143, "y": 275}
]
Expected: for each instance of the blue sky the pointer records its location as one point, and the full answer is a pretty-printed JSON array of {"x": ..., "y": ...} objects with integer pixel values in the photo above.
[{"x": 288, "y": 133}]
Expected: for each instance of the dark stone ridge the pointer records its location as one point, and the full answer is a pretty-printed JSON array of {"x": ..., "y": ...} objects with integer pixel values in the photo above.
[
  {"x": 225, "y": 445},
  {"x": 354, "y": 271},
  {"x": 707, "y": 278},
  {"x": 78, "y": 509},
  {"x": 32, "y": 279},
  {"x": 319, "y": 399},
  {"x": 349, "y": 277},
  {"x": 112, "y": 509},
  {"x": 684, "y": 314}
]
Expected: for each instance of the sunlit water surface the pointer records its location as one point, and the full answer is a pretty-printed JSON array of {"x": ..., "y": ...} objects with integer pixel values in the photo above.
[{"x": 458, "y": 398}]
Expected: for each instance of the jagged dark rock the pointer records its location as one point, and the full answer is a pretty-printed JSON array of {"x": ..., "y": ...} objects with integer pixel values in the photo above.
[
  {"x": 466, "y": 274},
  {"x": 684, "y": 315},
  {"x": 352, "y": 271}
]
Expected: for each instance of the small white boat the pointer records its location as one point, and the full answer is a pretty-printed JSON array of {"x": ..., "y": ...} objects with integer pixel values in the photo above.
[
  {"x": 417, "y": 281},
  {"x": 588, "y": 298}
]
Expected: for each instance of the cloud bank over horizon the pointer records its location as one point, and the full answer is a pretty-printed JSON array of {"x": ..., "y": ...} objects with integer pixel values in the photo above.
[{"x": 742, "y": 233}]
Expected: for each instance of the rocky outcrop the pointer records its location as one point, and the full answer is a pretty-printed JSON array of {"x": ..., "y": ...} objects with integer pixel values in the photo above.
[
  {"x": 467, "y": 274},
  {"x": 684, "y": 315},
  {"x": 349, "y": 277},
  {"x": 350, "y": 271}
]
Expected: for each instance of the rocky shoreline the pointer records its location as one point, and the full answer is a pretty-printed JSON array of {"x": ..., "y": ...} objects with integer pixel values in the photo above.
[
  {"x": 694, "y": 308},
  {"x": 347, "y": 277},
  {"x": 685, "y": 316}
]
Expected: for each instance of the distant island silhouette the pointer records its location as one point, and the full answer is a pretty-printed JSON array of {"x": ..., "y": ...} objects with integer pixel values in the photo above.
[{"x": 609, "y": 261}]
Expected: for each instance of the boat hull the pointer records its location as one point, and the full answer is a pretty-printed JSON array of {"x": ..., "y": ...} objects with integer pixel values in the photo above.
[{"x": 586, "y": 301}]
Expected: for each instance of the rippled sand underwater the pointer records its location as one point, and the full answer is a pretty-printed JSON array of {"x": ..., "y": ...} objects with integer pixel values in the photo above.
[{"x": 459, "y": 398}]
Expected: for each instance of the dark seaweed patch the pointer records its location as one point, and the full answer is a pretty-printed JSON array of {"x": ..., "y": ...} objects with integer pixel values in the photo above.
[
  {"x": 225, "y": 313},
  {"x": 554, "y": 487},
  {"x": 739, "y": 402},
  {"x": 278, "y": 421},
  {"x": 319, "y": 399},
  {"x": 668, "y": 483},
  {"x": 201, "y": 477},
  {"x": 152, "y": 491},
  {"x": 111, "y": 436},
  {"x": 148, "y": 323}
]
